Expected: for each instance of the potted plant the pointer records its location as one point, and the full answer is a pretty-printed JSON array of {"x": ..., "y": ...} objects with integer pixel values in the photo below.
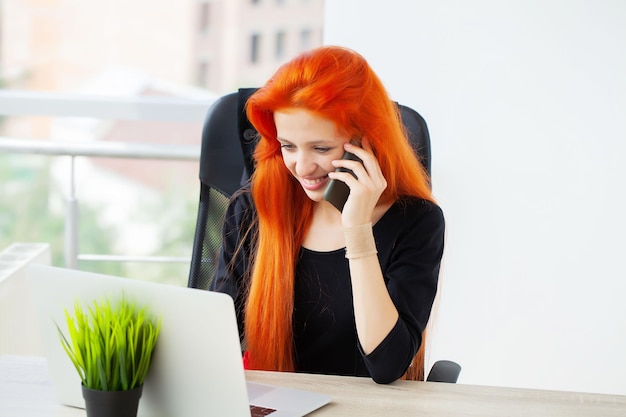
[{"x": 111, "y": 347}]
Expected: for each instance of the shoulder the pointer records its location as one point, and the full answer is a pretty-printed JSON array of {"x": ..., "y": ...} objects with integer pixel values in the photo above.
[
  {"x": 412, "y": 221},
  {"x": 416, "y": 210},
  {"x": 412, "y": 232}
]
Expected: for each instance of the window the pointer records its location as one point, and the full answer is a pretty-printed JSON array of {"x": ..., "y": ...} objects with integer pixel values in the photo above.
[
  {"x": 205, "y": 16},
  {"x": 280, "y": 45},
  {"x": 202, "y": 76},
  {"x": 255, "y": 44},
  {"x": 47, "y": 46},
  {"x": 305, "y": 39}
]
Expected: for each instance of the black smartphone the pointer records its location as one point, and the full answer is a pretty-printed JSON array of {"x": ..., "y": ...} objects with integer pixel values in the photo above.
[{"x": 337, "y": 191}]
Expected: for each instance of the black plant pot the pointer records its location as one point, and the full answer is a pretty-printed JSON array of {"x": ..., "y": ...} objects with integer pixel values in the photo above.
[{"x": 112, "y": 403}]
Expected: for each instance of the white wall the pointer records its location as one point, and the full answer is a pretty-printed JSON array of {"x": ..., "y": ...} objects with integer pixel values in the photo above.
[{"x": 526, "y": 105}]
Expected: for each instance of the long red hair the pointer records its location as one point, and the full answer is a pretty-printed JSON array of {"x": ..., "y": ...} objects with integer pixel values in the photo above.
[{"x": 338, "y": 84}]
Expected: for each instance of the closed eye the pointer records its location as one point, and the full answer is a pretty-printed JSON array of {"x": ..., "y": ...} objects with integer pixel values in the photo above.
[{"x": 322, "y": 149}]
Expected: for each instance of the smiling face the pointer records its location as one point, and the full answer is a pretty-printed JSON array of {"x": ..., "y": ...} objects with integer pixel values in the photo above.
[{"x": 309, "y": 143}]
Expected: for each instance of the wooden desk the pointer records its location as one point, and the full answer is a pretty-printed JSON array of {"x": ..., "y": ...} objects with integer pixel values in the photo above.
[
  {"x": 360, "y": 397},
  {"x": 25, "y": 391}
]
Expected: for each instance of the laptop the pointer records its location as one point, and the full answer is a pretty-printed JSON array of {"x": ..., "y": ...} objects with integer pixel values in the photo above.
[{"x": 196, "y": 369}]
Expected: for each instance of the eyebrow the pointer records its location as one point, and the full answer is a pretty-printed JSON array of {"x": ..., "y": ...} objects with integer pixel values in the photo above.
[{"x": 313, "y": 142}]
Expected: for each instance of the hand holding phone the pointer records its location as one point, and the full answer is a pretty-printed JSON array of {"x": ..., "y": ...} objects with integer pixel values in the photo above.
[{"x": 338, "y": 191}]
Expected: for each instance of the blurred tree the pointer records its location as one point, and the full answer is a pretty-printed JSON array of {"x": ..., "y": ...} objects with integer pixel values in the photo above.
[
  {"x": 175, "y": 217},
  {"x": 31, "y": 211}
]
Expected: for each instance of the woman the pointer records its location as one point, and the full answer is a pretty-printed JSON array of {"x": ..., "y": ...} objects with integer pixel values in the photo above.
[{"x": 316, "y": 289}]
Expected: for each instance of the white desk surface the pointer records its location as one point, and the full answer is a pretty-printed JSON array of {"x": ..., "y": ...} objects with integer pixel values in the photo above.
[{"x": 25, "y": 391}]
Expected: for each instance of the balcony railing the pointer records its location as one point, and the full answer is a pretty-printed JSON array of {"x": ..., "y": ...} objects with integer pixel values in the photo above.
[{"x": 20, "y": 103}]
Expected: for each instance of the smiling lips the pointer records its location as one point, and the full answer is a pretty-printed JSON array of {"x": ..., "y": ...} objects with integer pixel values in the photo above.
[{"x": 313, "y": 184}]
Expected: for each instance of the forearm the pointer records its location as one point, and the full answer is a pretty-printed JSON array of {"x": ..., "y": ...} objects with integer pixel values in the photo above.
[{"x": 374, "y": 311}]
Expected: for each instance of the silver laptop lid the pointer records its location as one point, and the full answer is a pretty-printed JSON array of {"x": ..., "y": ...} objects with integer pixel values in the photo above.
[{"x": 197, "y": 368}]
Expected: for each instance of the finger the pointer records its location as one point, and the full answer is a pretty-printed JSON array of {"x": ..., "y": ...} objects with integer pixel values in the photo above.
[
  {"x": 363, "y": 154},
  {"x": 355, "y": 167},
  {"x": 366, "y": 154},
  {"x": 346, "y": 177}
]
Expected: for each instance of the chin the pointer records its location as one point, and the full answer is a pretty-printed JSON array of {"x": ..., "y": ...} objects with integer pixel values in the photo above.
[{"x": 317, "y": 195}]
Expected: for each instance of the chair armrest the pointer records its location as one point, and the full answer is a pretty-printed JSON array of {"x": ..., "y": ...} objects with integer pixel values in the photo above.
[{"x": 444, "y": 371}]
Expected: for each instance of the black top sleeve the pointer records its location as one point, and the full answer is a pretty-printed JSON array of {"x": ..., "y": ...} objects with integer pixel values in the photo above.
[{"x": 409, "y": 239}]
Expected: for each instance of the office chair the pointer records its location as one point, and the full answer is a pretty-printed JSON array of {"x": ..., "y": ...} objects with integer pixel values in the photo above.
[{"x": 228, "y": 141}]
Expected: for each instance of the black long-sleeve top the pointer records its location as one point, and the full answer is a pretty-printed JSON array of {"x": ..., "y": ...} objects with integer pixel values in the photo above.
[{"x": 409, "y": 239}]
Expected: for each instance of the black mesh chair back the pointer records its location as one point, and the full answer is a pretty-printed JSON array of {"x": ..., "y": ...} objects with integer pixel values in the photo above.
[
  {"x": 228, "y": 141},
  {"x": 225, "y": 163}
]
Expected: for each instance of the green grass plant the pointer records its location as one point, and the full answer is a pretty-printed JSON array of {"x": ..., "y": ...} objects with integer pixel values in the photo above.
[{"x": 111, "y": 345}]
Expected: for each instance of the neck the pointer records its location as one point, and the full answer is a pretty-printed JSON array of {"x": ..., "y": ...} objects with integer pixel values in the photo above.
[{"x": 327, "y": 212}]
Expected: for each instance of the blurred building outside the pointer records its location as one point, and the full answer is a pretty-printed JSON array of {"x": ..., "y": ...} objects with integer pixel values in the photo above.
[{"x": 183, "y": 49}]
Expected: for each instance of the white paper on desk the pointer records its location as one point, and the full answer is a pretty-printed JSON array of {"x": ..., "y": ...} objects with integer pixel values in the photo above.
[{"x": 25, "y": 387}]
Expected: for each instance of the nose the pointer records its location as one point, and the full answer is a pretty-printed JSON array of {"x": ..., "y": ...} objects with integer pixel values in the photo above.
[{"x": 305, "y": 164}]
